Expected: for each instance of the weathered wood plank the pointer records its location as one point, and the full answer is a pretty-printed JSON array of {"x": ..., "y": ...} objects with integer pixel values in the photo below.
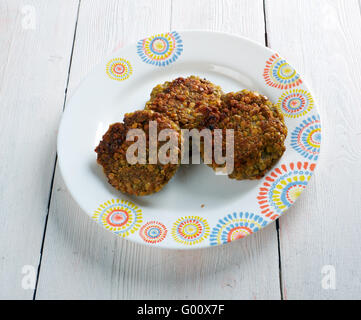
[{"x": 35, "y": 40}]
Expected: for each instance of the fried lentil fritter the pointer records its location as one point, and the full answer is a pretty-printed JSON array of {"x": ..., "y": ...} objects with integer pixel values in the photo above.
[
  {"x": 259, "y": 133},
  {"x": 190, "y": 102},
  {"x": 136, "y": 179}
]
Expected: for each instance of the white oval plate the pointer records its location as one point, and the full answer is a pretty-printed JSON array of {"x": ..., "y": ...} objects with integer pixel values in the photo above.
[{"x": 197, "y": 208}]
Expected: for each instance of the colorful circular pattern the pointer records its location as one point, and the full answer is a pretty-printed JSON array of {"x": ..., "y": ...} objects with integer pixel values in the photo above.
[
  {"x": 295, "y": 103},
  {"x": 119, "y": 216},
  {"x": 236, "y": 226},
  {"x": 190, "y": 230},
  {"x": 279, "y": 74},
  {"x": 160, "y": 50},
  {"x": 119, "y": 69},
  {"x": 153, "y": 232},
  {"x": 306, "y": 138},
  {"x": 282, "y": 187}
]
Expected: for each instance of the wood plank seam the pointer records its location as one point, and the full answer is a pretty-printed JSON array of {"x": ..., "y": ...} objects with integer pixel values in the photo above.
[
  {"x": 171, "y": 15},
  {"x": 277, "y": 222},
  {"x": 56, "y": 159}
]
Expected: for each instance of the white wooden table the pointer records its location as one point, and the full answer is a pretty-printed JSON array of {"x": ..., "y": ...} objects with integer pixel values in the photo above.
[{"x": 49, "y": 249}]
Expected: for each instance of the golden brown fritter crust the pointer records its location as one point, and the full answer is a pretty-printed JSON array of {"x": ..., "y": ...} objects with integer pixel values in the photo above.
[
  {"x": 136, "y": 179},
  {"x": 259, "y": 133},
  {"x": 190, "y": 102}
]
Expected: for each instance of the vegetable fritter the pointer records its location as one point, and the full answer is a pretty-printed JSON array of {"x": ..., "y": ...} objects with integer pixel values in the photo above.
[
  {"x": 190, "y": 102},
  {"x": 259, "y": 133},
  {"x": 136, "y": 179}
]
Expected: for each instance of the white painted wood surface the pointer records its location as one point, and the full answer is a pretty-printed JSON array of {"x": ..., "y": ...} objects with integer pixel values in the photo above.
[
  {"x": 33, "y": 73},
  {"x": 79, "y": 259}
]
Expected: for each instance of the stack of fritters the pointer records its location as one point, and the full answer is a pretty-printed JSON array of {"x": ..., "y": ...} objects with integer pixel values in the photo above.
[{"x": 194, "y": 103}]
